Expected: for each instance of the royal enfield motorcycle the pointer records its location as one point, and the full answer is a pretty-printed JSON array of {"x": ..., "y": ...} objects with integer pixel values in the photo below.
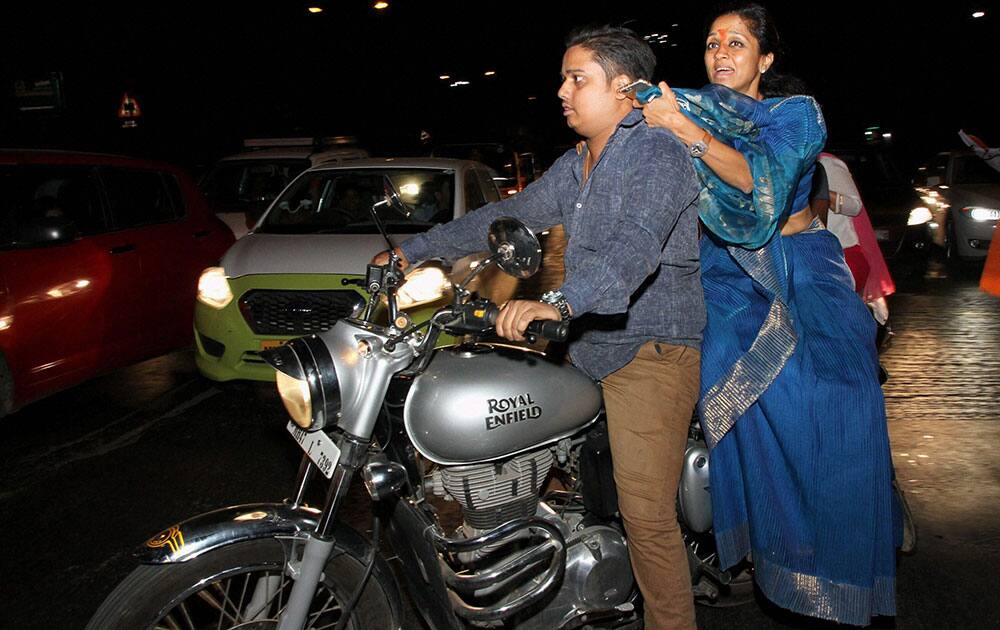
[{"x": 517, "y": 439}]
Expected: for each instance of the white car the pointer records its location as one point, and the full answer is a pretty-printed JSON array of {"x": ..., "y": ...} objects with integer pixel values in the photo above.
[
  {"x": 302, "y": 267},
  {"x": 239, "y": 187},
  {"x": 962, "y": 193}
]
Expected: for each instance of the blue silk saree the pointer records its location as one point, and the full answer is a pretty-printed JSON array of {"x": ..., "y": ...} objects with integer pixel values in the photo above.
[{"x": 790, "y": 403}]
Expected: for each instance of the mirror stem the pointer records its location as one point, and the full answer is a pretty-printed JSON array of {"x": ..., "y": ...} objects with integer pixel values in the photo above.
[{"x": 460, "y": 290}]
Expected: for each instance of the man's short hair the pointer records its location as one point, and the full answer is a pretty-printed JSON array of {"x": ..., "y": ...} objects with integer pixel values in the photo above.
[{"x": 618, "y": 50}]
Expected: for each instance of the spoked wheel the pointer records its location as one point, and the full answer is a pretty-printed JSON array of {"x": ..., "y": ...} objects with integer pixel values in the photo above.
[
  {"x": 239, "y": 587},
  {"x": 712, "y": 586}
]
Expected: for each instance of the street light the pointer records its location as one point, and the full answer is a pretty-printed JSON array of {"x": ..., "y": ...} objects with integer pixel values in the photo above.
[
  {"x": 315, "y": 10},
  {"x": 978, "y": 14},
  {"x": 381, "y": 5},
  {"x": 444, "y": 77},
  {"x": 489, "y": 73}
]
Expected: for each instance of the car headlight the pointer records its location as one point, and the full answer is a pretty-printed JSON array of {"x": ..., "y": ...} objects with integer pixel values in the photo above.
[
  {"x": 424, "y": 285},
  {"x": 919, "y": 216},
  {"x": 307, "y": 381},
  {"x": 977, "y": 213},
  {"x": 213, "y": 288}
]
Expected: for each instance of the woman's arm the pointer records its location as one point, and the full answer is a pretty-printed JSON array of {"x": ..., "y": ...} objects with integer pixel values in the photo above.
[{"x": 728, "y": 163}]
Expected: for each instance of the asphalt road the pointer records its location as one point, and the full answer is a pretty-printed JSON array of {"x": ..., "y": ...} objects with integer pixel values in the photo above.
[{"x": 89, "y": 474}]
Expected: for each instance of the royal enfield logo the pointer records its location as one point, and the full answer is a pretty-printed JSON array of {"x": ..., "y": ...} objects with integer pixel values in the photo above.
[{"x": 505, "y": 411}]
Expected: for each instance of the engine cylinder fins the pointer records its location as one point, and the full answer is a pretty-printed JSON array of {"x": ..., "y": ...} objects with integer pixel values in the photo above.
[
  {"x": 494, "y": 493},
  {"x": 514, "y": 582}
]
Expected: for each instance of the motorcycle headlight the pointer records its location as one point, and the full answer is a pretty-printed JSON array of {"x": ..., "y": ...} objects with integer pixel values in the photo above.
[
  {"x": 307, "y": 381},
  {"x": 213, "y": 288},
  {"x": 427, "y": 284},
  {"x": 919, "y": 216}
]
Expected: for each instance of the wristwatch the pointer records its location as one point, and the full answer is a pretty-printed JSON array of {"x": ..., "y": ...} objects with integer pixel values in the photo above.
[
  {"x": 558, "y": 300},
  {"x": 700, "y": 148}
]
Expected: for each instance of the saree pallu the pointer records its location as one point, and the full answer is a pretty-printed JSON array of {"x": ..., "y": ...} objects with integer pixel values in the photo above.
[{"x": 801, "y": 473}]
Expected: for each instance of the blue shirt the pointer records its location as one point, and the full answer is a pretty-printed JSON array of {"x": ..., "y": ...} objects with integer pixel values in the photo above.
[{"x": 631, "y": 257}]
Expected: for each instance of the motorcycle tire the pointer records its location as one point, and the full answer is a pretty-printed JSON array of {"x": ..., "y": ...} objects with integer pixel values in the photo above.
[{"x": 215, "y": 590}]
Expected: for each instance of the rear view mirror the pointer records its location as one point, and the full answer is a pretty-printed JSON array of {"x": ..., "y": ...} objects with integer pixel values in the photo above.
[
  {"x": 393, "y": 200},
  {"x": 515, "y": 247}
]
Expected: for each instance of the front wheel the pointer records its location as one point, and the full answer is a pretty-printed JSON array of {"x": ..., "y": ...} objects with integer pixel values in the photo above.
[{"x": 241, "y": 586}]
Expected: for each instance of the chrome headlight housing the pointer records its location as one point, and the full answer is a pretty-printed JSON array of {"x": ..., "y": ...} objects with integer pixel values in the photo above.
[{"x": 307, "y": 381}]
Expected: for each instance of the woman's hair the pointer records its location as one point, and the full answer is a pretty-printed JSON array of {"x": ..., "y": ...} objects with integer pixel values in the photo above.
[
  {"x": 758, "y": 19},
  {"x": 617, "y": 50}
]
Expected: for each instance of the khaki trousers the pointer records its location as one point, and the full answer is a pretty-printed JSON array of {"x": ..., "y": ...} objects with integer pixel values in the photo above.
[{"x": 649, "y": 403}]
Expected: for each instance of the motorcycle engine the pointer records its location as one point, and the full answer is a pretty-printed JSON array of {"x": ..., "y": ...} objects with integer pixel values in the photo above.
[{"x": 492, "y": 494}]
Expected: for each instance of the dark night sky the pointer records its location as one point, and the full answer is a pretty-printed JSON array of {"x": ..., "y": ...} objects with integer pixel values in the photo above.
[{"x": 207, "y": 77}]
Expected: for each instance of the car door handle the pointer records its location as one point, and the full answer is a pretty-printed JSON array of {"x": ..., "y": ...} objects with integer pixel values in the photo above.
[
  {"x": 202, "y": 233},
  {"x": 123, "y": 249}
]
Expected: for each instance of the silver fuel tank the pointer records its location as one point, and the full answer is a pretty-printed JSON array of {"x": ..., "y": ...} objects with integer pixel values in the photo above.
[{"x": 478, "y": 403}]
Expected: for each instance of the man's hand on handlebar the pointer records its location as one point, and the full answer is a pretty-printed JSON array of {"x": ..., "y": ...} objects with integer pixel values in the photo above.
[
  {"x": 515, "y": 316},
  {"x": 382, "y": 258}
]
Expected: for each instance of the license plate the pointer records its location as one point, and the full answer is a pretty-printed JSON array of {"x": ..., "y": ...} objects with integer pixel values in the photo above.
[
  {"x": 318, "y": 446},
  {"x": 882, "y": 235},
  {"x": 267, "y": 344}
]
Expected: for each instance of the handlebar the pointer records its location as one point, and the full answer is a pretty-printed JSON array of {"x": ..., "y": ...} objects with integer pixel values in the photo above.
[{"x": 481, "y": 314}]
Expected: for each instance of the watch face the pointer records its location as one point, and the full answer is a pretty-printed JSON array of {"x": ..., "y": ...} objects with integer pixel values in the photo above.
[{"x": 698, "y": 149}]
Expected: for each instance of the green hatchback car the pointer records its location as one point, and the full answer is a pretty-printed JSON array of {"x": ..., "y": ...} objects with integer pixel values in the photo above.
[{"x": 302, "y": 266}]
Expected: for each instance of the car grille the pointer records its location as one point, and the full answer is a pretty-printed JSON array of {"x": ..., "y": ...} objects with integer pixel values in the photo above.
[{"x": 297, "y": 312}]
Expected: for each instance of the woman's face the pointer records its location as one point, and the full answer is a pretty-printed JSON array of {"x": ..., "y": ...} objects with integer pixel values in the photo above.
[{"x": 732, "y": 56}]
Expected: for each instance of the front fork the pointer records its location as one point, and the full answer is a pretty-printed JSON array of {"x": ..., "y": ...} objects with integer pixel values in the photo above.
[{"x": 320, "y": 543}]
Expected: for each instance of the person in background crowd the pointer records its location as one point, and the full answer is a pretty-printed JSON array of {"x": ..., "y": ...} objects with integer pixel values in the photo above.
[
  {"x": 791, "y": 404},
  {"x": 848, "y": 220}
]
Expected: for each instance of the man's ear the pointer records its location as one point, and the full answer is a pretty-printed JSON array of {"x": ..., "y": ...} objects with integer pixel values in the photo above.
[{"x": 618, "y": 83}]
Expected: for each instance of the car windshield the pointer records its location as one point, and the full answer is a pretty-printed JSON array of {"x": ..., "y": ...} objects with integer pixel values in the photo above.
[
  {"x": 971, "y": 169},
  {"x": 236, "y": 181},
  {"x": 339, "y": 201}
]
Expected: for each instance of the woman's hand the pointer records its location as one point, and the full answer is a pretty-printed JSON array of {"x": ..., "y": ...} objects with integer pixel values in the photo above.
[
  {"x": 515, "y": 316},
  {"x": 728, "y": 163},
  {"x": 382, "y": 258},
  {"x": 666, "y": 113}
]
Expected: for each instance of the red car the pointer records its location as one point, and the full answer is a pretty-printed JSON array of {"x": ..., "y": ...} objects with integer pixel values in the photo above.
[{"x": 99, "y": 263}]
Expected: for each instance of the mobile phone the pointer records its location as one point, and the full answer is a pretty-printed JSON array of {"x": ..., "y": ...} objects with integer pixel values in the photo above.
[{"x": 641, "y": 90}]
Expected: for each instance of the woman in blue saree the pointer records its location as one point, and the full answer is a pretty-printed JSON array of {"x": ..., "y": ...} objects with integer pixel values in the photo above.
[{"x": 790, "y": 398}]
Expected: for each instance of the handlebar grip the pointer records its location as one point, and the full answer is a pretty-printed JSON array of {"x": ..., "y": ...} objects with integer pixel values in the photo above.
[{"x": 548, "y": 329}]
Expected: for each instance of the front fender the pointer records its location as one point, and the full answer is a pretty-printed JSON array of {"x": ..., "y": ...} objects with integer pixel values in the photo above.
[
  {"x": 239, "y": 523},
  {"x": 212, "y": 530}
]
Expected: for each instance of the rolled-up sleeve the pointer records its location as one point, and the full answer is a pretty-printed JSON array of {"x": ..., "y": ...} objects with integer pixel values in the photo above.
[{"x": 659, "y": 185}]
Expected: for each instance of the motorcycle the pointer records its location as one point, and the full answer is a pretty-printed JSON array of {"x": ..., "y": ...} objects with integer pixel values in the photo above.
[{"x": 486, "y": 424}]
